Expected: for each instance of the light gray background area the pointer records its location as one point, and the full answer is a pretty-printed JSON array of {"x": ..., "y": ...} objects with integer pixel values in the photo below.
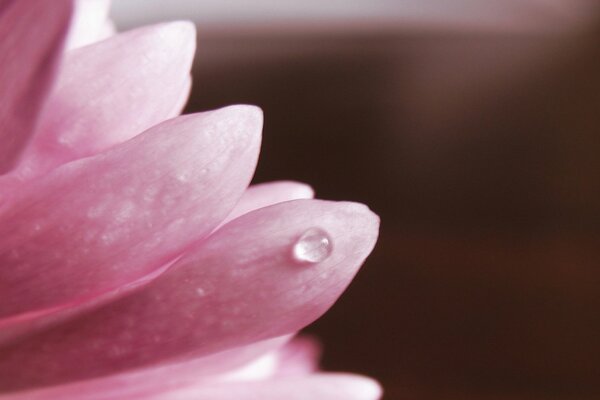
[{"x": 511, "y": 15}]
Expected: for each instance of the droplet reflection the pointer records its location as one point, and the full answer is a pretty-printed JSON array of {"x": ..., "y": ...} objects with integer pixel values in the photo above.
[{"x": 313, "y": 246}]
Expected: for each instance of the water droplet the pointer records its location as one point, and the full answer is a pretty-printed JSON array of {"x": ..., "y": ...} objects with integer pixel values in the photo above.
[
  {"x": 313, "y": 246},
  {"x": 200, "y": 292}
]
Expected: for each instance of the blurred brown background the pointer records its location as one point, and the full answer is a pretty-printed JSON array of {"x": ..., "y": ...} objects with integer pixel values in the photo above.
[{"x": 481, "y": 154}]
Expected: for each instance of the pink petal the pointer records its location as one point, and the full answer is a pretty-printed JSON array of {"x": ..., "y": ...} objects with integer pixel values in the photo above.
[
  {"x": 181, "y": 99},
  {"x": 266, "y": 194},
  {"x": 315, "y": 386},
  {"x": 298, "y": 357},
  {"x": 17, "y": 326},
  {"x": 239, "y": 286},
  {"x": 322, "y": 386},
  {"x": 174, "y": 375},
  {"x": 90, "y": 23},
  {"x": 31, "y": 40},
  {"x": 109, "y": 92},
  {"x": 219, "y": 365},
  {"x": 239, "y": 363},
  {"x": 101, "y": 222}
]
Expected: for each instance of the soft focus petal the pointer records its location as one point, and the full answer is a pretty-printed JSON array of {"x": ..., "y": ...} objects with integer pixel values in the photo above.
[
  {"x": 265, "y": 363},
  {"x": 17, "y": 326},
  {"x": 182, "y": 98},
  {"x": 176, "y": 375},
  {"x": 321, "y": 386},
  {"x": 101, "y": 222},
  {"x": 298, "y": 357},
  {"x": 31, "y": 40},
  {"x": 108, "y": 92},
  {"x": 239, "y": 286},
  {"x": 316, "y": 386},
  {"x": 266, "y": 194},
  {"x": 220, "y": 365},
  {"x": 90, "y": 23}
]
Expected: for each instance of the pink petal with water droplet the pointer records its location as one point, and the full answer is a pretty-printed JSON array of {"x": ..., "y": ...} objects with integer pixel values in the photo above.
[
  {"x": 96, "y": 224},
  {"x": 110, "y": 91},
  {"x": 239, "y": 286},
  {"x": 32, "y": 33}
]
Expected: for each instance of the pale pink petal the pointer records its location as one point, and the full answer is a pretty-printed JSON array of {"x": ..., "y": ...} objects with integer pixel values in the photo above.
[
  {"x": 236, "y": 363},
  {"x": 175, "y": 375},
  {"x": 32, "y": 33},
  {"x": 20, "y": 325},
  {"x": 298, "y": 357},
  {"x": 101, "y": 222},
  {"x": 322, "y": 386},
  {"x": 266, "y": 194},
  {"x": 263, "y": 366},
  {"x": 239, "y": 286},
  {"x": 109, "y": 92},
  {"x": 260, "y": 369},
  {"x": 90, "y": 23},
  {"x": 182, "y": 99},
  {"x": 219, "y": 365}
]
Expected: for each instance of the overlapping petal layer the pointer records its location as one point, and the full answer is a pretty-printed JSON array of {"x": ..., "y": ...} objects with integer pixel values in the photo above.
[
  {"x": 144, "y": 80},
  {"x": 256, "y": 196},
  {"x": 32, "y": 36},
  {"x": 266, "y": 194},
  {"x": 70, "y": 236},
  {"x": 239, "y": 286},
  {"x": 282, "y": 373},
  {"x": 137, "y": 265}
]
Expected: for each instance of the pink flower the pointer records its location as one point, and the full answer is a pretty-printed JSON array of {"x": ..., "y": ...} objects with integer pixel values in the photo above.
[{"x": 135, "y": 261}]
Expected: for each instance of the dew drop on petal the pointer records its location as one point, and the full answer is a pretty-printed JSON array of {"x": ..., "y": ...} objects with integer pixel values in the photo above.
[{"x": 313, "y": 246}]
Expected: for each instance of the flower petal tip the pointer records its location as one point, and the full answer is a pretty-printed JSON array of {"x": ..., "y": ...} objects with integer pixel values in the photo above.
[
  {"x": 363, "y": 220},
  {"x": 252, "y": 115},
  {"x": 245, "y": 122},
  {"x": 178, "y": 32},
  {"x": 365, "y": 388},
  {"x": 300, "y": 190}
]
